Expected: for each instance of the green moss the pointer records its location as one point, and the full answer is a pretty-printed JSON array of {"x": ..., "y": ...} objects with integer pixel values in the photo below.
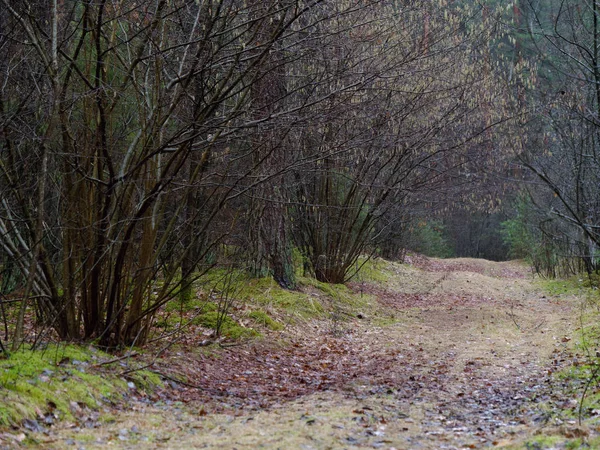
[
  {"x": 333, "y": 290},
  {"x": 222, "y": 280},
  {"x": 555, "y": 441},
  {"x": 591, "y": 281},
  {"x": 313, "y": 299},
  {"x": 574, "y": 444},
  {"x": 584, "y": 367},
  {"x": 176, "y": 305},
  {"x": 145, "y": 380},
  {"x": 385, "y": 321},
  {"x": 107, "y": 418},
  {"x": 298, "y": 260},
  {"x": 594, "y": 442},
  {"x": 540, "y": 442},
  {"x": 162, "y": 323},
  {"x": 341, "y": 296},
  {"x": 35, "y": 382},
  {"x": 374, "y": 270},
  {"x": 263, "y": 319},
  {"x": 571, "y": 286},
  {"x": 267, "y": 293},
  {"x": 186, "y": 294},
  {"x": 227, "y": 326}
]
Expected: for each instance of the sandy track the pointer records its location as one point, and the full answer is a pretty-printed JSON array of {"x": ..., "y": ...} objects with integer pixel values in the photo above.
[{"x": 465, "y": 366}]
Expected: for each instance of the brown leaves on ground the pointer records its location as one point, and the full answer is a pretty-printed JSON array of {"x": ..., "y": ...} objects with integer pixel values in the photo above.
[
  {"x": 472, "y": 352},
  {"x": 462, "y": 359},
  {"x": 261, "y": 374}
]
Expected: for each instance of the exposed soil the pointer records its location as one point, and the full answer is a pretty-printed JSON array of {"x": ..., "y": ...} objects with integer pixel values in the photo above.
[{"x": 467, "y": 363}]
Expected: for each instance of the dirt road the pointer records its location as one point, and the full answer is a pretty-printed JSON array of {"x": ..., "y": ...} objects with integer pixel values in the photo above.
[{"x": 468, "y": 362}]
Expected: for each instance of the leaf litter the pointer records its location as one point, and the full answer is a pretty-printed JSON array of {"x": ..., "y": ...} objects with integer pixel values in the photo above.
[{"x": 462, "y": 367}]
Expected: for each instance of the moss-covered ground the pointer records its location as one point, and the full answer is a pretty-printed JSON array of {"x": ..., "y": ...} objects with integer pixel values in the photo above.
[
  {"x": 52, "y": 383},
  {"x": 235, "y": 305},
  {"x": 55, "y": 382}
]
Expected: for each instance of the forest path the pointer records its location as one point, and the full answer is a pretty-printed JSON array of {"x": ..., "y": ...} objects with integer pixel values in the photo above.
[{"x": 465, "y": 364}]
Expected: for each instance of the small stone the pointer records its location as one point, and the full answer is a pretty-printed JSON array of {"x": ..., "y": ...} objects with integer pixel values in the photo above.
[{"x": 33, "y": 425}]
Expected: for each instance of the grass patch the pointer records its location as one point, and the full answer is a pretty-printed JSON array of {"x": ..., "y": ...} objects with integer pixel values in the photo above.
[
  {"x": 570, "y": 286},
  {"x": 375, "y": 270},
  {"x": 339, "y": 294},
  {"x": 245, "y": 297},
  {"x": 265, "y": 293},
  {"x": 264, "y": 320},
  {"x": 201, "y": 304},
  {"x": 540, "y": 442},
  {"x": 52, "y": 380},
  {"x": 581, "y": 378},
  {"x": 557, "y": 439},
  {"x": 225, "y": 325}
]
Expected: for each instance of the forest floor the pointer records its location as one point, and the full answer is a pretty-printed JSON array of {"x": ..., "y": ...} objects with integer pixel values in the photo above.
[{"x": 469, "y": 359}]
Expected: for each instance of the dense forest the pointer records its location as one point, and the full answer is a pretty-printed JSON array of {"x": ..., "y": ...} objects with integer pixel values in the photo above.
[{"x": 144, "y": 142}]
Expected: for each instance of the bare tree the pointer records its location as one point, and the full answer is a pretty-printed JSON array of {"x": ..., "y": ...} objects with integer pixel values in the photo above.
[
  {"x": 138, "y": 136},
  {"x": 419, "y": 101},
  {"x": 127, "y": 111},
  {"x": 563, "y": 139}
]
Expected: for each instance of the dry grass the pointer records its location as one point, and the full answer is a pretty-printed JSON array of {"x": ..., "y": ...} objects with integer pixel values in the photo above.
[{"x": 463, "y": 366}]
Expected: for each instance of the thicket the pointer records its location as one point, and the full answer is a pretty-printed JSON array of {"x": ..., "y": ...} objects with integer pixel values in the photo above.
[
  {"x": 142, "y": 143},
  {"x": 429, "y": 238}
]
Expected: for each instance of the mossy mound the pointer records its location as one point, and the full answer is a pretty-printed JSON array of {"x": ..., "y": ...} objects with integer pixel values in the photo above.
[
  {"x": 237, "y": 305},
  {"x": 264, "y": 320},
  {"x": 224, "y": 325},
  {"x": 54, "y": 382},
  {"x": 266, "y": 293},
  {"x": 374, "y": 270}
]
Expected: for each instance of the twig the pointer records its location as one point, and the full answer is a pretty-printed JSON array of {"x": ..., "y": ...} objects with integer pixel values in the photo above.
[
  {"x": 136, "y": 369},
  {"x": 233, "y": 344},
  {"x": 511, "y": 314},
  {"x": 183, "y": 383},
  {"x": 539, "y": 325},
  {"x": 160, "y": 352},
  {"x": 175, "y": 380},
  {"x": 121, "y": 358}
]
